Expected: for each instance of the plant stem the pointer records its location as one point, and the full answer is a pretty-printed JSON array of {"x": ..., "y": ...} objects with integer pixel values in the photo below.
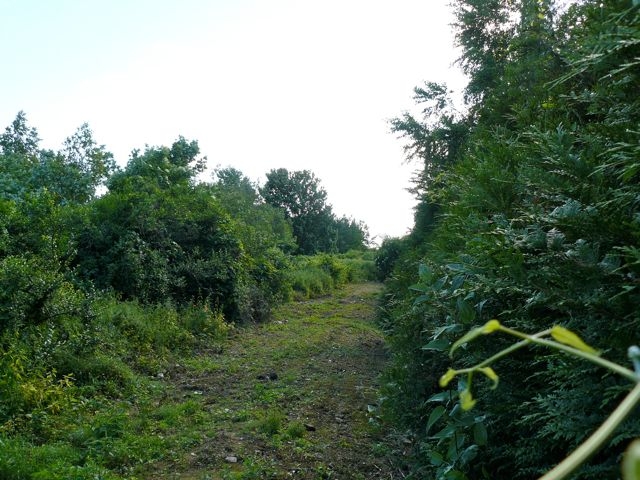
[
  {"x": 614, "y": 367},
  {"x": 595, "y": 441},
  {"x": 506, "y": 351}
]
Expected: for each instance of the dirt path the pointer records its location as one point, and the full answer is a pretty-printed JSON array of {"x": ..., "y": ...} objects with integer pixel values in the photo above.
[{"x": 294, "y": 398}]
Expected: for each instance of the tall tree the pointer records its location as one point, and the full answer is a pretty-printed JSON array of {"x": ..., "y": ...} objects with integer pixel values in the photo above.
[
  {"x": 20, "y": 139},
  {"x": 304, "y": 201}
]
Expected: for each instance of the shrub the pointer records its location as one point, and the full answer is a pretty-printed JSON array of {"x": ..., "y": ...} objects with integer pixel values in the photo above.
[
  {"x": 28, "y": 388},
  {"x": 310, "y": 281},
  {"x": 33, "y": 291},
  {"x": 387, "y": 256},
  {"x": 336, "y": 269}
]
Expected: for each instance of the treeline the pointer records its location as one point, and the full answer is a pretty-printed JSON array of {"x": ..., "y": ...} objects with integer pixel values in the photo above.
[
  {"x": 156, "y": 233},
  {"x": 106, "y": 273},
  {"x": 528, "y": 213}
]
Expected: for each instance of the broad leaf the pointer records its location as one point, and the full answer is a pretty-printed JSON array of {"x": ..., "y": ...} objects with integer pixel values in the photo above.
[
  {"x": 439, "y": 345},
  {"x": 436, "y": 414},
  {"x": 480, "y": 434}
]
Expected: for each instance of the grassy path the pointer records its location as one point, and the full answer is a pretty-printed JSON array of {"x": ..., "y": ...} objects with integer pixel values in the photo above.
[{"x": 294, "y": 398}]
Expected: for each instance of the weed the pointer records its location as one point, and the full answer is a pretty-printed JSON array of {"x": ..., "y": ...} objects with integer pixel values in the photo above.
[
  {"x": 295, "y": 430},
  {"x": 251, "y": 469},
  {"x": 271, "y": 424}
]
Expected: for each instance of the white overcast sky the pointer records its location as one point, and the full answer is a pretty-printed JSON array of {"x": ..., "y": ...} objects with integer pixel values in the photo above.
[{"x": 261, "y": 84}]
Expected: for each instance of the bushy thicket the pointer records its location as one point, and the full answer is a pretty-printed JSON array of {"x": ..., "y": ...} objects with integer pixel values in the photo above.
[{"x": 528, "y": 214}]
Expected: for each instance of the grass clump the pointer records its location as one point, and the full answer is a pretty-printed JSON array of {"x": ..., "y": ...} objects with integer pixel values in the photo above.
[
  {"x": 295, "y": 430},
  {"x": 316, "y": 276},
  {"x": 271, "y": 423}
]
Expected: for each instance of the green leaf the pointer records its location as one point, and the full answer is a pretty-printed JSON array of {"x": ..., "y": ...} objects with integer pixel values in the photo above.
[
  {"x": 436, "y": 458},
  {"x": 446, "y": 329},
  {"x": 455, "y": 475},
  {"x": 466, "y": 312},
  {"x": 447, "y": 432},
  {"x": 480, "y": 434},
  {"x": 469, "y": 454},
  {"x": 458, "y": 268},
  {"x": 457, "y": 282},
  {"x": 440, "y": 345},
  {"x": 440, "y": 397},
  {"x": 425, "y": 273},
  {"x": 436, "y": 414}
]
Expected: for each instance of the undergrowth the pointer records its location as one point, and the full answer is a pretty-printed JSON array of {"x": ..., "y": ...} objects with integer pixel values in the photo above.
[{"x": 86, "y": 397}]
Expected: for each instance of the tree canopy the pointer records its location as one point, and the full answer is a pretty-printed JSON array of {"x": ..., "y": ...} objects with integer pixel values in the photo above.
[{"x": 304, "y": 202}]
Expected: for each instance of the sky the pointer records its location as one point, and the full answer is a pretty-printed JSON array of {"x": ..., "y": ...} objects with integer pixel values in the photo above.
[{"x": 260, "y": 84}]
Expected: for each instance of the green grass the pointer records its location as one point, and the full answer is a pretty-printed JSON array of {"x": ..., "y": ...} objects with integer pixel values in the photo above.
[{"x": 213, "y": 399}]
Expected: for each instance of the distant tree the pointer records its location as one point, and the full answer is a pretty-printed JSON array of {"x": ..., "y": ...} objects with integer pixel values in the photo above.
[
  {"x": 19, "y": 139},
  {"x": 18, "y": 157},
  {"x": 231, "y": 179},
  {"x": 304, "y": 201},
  {"x": 298, "y": 193},
  {"x": 76, "y": 172},
  {"x": 161, "y": 167},
  {"x": 387, "y": 256},
  {"x": 350, "y": 234},
  {"x": 260, "y": 224},
  {"x": 83, "y": 153}
]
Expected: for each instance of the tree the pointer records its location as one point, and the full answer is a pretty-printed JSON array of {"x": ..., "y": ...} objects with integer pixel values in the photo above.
[
  {"x": 261, "y": 225},
  {"x": 161, "y": 167},
  {"x": 350, "y": 234},
  {"x": 157, "y": 235},
  {"x": 304, "y": 201},
  {"x": 18, "y": 157},
  {"x": 20, "y": 139},
  {"x": 82, "y": 153},
  {"x": 436, "y": 140}
]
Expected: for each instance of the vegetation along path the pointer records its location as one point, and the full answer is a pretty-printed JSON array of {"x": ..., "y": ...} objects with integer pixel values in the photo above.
[{"x": 292, "y": 398}]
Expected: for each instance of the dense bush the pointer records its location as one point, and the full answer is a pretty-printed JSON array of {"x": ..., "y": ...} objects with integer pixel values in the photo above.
[
  {"x": 387, "y": 256},
  {"x": 536, "y": 225}
]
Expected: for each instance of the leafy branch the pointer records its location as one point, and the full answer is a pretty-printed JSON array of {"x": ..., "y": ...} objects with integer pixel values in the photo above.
[{"x": 566, "y": 341}]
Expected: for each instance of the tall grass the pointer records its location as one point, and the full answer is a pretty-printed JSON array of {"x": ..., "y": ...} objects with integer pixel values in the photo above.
[{"x": 318, "y": 275}]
